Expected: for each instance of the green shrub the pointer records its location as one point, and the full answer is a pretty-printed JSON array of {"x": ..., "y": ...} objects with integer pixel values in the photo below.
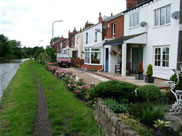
[
  {"x": 149, "y": 70},
  {"x": 146, "y": 112},
  {"x": 114, "y": 89},
  {"x": 115, "y": 106},
  {"x": 174, "y": 78},
  {"x": 149, "y": 93}
]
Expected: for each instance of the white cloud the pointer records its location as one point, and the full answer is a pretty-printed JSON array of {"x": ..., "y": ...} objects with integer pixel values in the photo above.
[{"x": 30, "y": 21}]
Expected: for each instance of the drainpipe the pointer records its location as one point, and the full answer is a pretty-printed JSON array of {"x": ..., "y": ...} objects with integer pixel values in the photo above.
[{"x": 179, "y": 59}]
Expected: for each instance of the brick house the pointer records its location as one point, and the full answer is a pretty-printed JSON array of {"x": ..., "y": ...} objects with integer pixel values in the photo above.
[{"x": 113, "y": 28}]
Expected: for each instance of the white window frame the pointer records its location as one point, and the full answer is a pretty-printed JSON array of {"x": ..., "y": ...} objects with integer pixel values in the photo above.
[
  {"x": 159, "y": 57},
  {"x": 95, "y": 37},
  {"x": 134, "y": 19},
  {"x": 86, "y": 38},
  {"x": 113, "y": 30},
  {"x": 90, "y": 51},
  {"x": 166, "y": 16}
]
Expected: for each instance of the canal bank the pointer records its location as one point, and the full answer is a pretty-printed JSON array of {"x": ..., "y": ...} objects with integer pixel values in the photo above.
[
  {"x": 18, "y": 106},
  {"x": 8, "y": 69}
]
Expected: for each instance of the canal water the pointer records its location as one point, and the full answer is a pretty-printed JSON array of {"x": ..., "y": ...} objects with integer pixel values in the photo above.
[{"x": 7, "y": 71}]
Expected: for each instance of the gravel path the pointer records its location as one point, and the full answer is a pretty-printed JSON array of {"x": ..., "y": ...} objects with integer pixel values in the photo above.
[{"x": 42, "y": 123}]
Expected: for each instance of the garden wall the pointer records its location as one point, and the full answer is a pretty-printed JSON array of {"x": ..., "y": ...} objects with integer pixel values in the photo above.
[{"x": 110, "y": 123}]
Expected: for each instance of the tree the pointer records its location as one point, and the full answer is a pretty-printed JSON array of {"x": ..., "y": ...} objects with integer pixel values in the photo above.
[
  {"x": 4, "y": 48},
  {"x": 54, "y": 39},
  {"x": 52, "y": 53}
]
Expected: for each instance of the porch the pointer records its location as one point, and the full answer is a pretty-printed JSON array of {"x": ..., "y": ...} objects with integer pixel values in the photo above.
[{"x": 122, "y": 55}]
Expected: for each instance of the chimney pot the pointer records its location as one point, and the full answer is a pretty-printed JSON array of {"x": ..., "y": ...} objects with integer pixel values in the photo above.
[{"x": 100, "y": 18}]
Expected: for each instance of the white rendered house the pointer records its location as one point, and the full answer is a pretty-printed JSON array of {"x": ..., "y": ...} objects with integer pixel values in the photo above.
[
  {"x": 155, "y": 33},
  {"x": 79, "y": 44},
  {"x": 93, "y": 46}
]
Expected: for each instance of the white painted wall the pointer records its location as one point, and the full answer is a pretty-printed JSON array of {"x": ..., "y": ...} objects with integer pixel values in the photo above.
[
  {"x": 91, "y": 34},
  {"x": 156, "y": 36},
  {"x": 113, "y": 59},
  {"x": 91, "y": 39},
  {"x": 79, "y": 44}
]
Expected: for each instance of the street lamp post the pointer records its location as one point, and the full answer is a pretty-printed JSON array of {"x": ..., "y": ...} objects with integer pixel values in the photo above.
[{"x": 53, "y": 26}]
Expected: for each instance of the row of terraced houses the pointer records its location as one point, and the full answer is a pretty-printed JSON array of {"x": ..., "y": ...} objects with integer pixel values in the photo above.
[{"x": 148, "y": 30}]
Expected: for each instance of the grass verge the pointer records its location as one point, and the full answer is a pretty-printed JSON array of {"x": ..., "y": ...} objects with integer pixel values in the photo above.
[
  {"x": 68, "y": 115},
  {"x": 18, "y": 104}
]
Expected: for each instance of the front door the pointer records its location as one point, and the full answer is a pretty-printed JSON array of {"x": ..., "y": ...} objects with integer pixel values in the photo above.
[
  {"x": 137, "y": 55},
  {"x": 107, "y": 60}
]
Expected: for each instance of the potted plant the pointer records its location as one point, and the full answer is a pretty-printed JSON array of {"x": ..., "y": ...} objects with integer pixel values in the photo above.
[
  {"x": 139, "y": 74},
  {"x": 112, "y": 52},
  {"x": 149, "y": 73}
]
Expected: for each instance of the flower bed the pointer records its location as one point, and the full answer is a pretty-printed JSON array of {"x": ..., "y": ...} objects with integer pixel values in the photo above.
[{"x": 79, "y": 87}]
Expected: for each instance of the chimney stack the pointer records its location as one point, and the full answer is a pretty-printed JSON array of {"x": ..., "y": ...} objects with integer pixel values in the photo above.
[
  {"x": 100, "y": 18},
  {"x": 131, "y": 3},
  {"x": 111, "y": 14}
]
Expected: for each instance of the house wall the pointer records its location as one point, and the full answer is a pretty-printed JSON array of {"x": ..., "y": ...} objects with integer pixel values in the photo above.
[
  {"x": 91, "y": 34},
  {"x": 119, "y": 22},
  {"x": 113, "y": 59},
  {"x": 79, "y": 44},
  {"x": 91, "y": 38},
  {"x": 156, "y": 36}
]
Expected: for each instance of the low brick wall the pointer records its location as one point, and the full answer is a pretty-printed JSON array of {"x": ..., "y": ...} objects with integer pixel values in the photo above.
[{"x": 110, "y": 123}]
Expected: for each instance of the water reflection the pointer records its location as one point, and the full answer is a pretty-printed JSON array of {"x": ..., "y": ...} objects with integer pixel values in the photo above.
[{"x": 7, "y": 71}]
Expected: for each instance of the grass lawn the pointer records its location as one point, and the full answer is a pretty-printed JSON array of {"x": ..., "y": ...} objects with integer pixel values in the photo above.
[
  {"x": 18, "y": 105},
  {"x": 68, "y": 115}
]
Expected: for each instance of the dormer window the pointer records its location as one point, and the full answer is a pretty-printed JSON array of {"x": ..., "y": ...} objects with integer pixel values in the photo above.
[
  {"x": 113, "y": 30},
  {"x": 134, "y": 19}
]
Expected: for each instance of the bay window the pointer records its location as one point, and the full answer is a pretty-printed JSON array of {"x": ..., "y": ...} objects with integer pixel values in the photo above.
[{"x": 92, "y": 56}]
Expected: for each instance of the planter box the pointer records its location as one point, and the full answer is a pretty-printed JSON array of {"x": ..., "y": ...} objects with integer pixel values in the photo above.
[
  {"x": 139, "y": 76},
  {"x": 149, "y": 79}
]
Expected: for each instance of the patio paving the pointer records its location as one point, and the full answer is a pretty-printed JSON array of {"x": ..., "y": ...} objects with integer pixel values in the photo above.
[
  {"x": 162, "y": 84},
  {"x": 88, "y": 77},
  {"x": 97, "y": 77}
]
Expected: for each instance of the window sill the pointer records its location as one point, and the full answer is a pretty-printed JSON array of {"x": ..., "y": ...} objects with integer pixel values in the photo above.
[
  {"x": 92, "y": 64},
  {"x": 133, "y": 27},
  {"x": 155, "y": 27}
]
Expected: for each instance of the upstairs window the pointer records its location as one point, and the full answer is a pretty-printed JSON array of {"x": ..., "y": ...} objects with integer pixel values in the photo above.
[
  {"x": 86, "y": 38},
  {"x": 163, "y": 16},
  {"x": 113, "y": 30},
  {"x": 95, "y": 37},
  {"x": 134, "y": 19}
]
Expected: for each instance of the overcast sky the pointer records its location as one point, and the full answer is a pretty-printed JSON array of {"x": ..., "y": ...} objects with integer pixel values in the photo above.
[{"x": 30, "y": 21}]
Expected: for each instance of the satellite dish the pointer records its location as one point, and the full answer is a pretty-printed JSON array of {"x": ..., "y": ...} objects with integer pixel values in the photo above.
[
  {"x": 175, "y": 15},
  {"x": 143, "y": 24},
  {"x": 97, "y": 30}
]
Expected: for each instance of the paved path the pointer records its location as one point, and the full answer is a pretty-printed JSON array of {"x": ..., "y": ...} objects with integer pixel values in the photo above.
[
  {"x": 88, "y": 77},
  {"x": 42, "y": 123}
]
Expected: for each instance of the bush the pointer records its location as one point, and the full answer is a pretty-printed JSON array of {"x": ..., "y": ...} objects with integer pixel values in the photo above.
[
  {"x": 146, "y": 112},
  {"x": 149, "y": 93},
  {"x": 114, "y": 89},
  {"x": 149, "y": 70},
  {"x": 174, "y": 78},
  {"x": 115, "y": 106},
  {"x": 140, "y": 68}
]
